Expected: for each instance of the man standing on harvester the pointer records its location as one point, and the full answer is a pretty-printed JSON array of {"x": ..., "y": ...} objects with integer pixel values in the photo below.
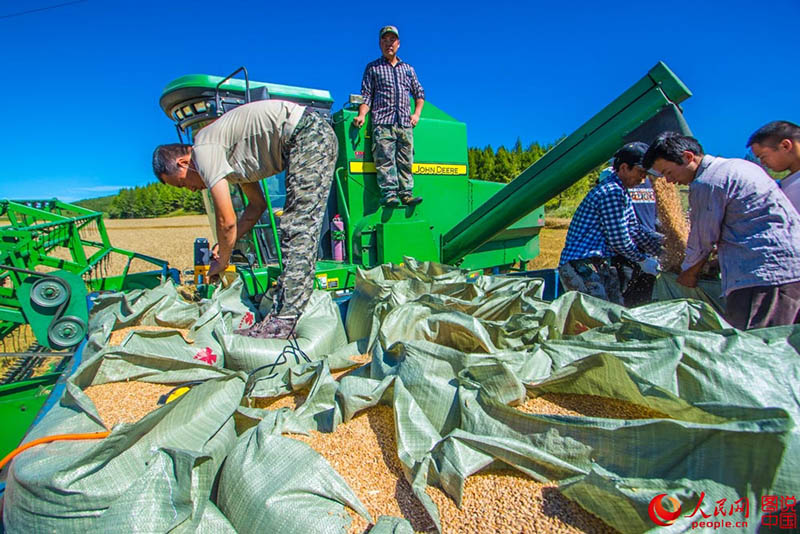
[
  {"x": 251, "y": 142},
  {"x": 387, "y": 83}
]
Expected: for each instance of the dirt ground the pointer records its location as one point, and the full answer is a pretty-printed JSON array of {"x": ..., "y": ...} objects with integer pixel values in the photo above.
[{"x": 551, "y": 241}]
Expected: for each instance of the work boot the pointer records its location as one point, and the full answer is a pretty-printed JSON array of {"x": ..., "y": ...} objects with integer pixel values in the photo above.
[
  {"x": 409, "y": 200},
  {"x": 273, "y": 327},
  {"x": 390, "y": 202}
]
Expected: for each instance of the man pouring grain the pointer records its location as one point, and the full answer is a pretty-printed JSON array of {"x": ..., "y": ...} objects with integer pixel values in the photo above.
[
  {"x": 737, "y": 208},
  {"x": 251, "y": 142}
]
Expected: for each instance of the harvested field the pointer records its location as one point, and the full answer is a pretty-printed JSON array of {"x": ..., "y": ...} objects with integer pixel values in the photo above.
[
  {"x": 587, "y": 406},
  {"x": 170, "y": 238},
  {"x": 125, "y": 402},
  {"x": 363, "y": 452},
  {"x": 551, "y": 241},
  {"x": 118, "y": 336}
]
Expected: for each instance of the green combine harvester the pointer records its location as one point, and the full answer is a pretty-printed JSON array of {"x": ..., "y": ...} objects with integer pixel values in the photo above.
[
  {"x": 51, "y": 255},
  {"x": 471, "y": 223},
  {"x": 474, "y": 224}
]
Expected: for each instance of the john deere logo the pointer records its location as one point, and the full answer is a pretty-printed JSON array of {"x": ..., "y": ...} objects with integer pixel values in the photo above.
[{"x": 660, "y": 515}]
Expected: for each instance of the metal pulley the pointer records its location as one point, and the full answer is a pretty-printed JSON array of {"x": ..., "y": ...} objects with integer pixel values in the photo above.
[
  {"x": 49, "y": 293},
  {"x": 66, "y": 332}
]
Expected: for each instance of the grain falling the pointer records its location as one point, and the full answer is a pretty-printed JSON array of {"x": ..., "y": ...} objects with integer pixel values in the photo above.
[
  {"x": 364, "y": 452},
  {"x": 118, "y": 336},
  {"x": 125, "y": 402},
  {"x": 587, "y": 406},
  {"x": 673, "y": 224},
  {"x": 508, "y": 502}
]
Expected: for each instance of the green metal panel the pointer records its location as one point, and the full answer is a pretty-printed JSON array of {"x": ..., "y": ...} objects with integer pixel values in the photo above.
[
  {"x": 412, "y": 239},
  {"x": 19, "y": 404},
  {"x": 40, "y": 317},
  {"x": 589, "y": 146},
  {"x": 258, "y": 281}
]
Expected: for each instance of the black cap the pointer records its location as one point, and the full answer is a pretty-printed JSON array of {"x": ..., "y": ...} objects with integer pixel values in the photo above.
[{"x": 632, "y": 154}]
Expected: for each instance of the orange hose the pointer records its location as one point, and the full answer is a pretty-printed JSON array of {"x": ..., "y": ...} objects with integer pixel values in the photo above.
[{"x": 48, "y": 439}]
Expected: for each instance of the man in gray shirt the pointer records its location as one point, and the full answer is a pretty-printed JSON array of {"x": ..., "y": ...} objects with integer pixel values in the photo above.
[
  {"x": 255, "y": 141},
  {"x": 738, "y": 208}
]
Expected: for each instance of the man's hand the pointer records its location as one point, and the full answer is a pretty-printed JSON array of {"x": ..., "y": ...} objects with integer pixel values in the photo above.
[
  {"x": 215, "y": 269},
  {"x": 688, "y": 278},
  {"x": 358, "y": 120},
  {"x": 414, "y": 119},
  {"x": 650, "y": 265},
  {"x": 214, "y": 252}
]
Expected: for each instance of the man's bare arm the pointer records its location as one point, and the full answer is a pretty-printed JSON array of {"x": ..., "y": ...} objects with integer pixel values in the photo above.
[
  {"x": 226, "y": 227},
  {"x": 255, "y": 207},
  {"x": 358, "y": 120},
  {"x": 419, "y": 103}
]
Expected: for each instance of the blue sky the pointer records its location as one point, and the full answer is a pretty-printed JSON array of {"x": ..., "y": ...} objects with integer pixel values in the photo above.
[{"x": 81, "y": 82}]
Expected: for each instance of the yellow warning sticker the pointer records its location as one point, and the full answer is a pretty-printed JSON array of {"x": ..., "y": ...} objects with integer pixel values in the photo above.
[{"x": 442, "y": 169}]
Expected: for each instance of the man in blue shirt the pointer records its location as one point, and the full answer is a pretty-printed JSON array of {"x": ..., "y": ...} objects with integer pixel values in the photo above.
[
  {"x": 387, "y": 83},
  {"x": 737, "y": 208},
  {"x": 635, "y": 284},
  {"x": 605, "y": 225}
]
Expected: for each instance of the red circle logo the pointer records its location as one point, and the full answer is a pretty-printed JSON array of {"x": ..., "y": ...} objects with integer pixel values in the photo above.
[{"x": 660, "y": 515}]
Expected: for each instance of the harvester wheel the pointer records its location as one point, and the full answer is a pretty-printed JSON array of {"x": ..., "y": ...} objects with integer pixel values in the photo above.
[
  {"x": 49, "y": 293},
  {"x": 66, "y": 332}
]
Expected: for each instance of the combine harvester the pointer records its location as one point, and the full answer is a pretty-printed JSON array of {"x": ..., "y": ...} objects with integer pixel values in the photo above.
[
  {"x": 470, "y": 223},
  {"x": 51, "y": 254}
]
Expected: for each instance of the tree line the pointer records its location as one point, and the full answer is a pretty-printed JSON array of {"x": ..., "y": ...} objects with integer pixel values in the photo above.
[
  {"x": 503, "y": 165},
  {"x": 154, "y": 200}
]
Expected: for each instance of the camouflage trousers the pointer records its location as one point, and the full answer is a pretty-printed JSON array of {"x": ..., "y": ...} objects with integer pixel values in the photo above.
[
  {"x": 393, "y": 153},
  {"x": 310, "y": 156},
  {"x": 593, "y": 276}
]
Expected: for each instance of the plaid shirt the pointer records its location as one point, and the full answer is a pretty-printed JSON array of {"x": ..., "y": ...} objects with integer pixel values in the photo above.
[
  {"x": 605, "y": 224},
  {"x": 385, "y": 89}
]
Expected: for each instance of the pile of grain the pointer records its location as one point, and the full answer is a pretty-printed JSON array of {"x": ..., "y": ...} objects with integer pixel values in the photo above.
[
  {"x": 507, "y": 501},
  {"x": 125, "y": 402},
  {"x": 117, "y": 336},
  {"x": 360, "y": 359},
  {"x": 587, "y": 406},
  {"x": 364, "y": 452},
  {"x": 673, "y": 224},
  {"x": 291, "y": 400}
]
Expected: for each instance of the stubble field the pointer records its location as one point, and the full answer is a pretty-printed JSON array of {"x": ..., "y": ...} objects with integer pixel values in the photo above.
[
  {"x": 173, "y": 238},
  {"x": 170, "y": 239}
]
